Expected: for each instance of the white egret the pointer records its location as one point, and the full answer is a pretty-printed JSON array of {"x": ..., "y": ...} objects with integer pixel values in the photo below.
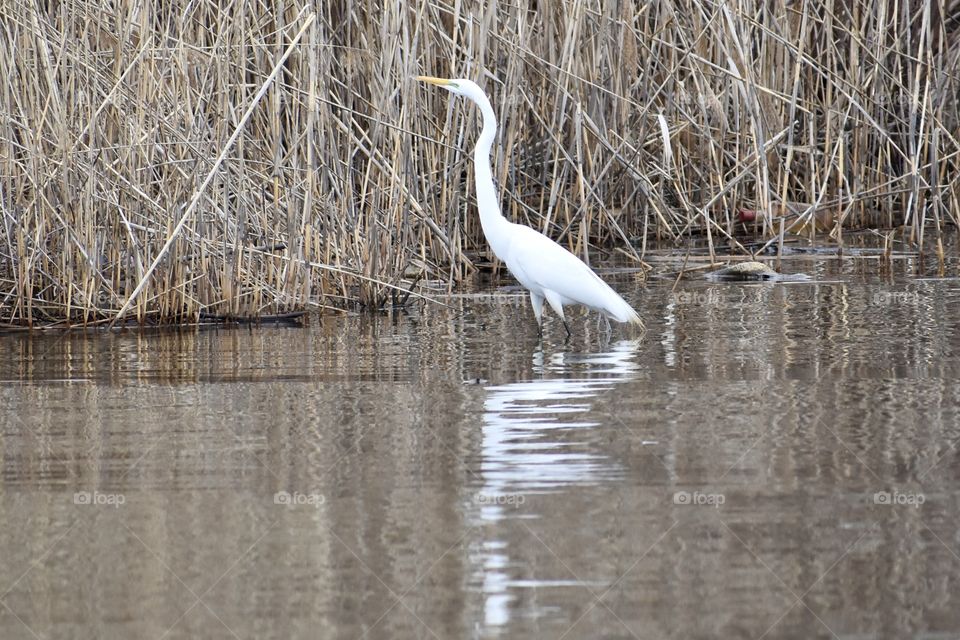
[{"x": 547, "y": 270}]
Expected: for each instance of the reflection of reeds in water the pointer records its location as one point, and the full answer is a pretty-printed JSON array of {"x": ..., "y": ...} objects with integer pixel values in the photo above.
[{"x": 616, "y": 125}]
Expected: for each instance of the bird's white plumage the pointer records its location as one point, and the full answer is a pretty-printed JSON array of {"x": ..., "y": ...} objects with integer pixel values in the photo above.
[
  {"x": 548, "y": 271},
  {"x": 541, "y": 265}
]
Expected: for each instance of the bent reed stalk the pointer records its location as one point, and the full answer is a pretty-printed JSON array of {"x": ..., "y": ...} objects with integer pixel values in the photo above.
[{"x": 121, "y": 195}]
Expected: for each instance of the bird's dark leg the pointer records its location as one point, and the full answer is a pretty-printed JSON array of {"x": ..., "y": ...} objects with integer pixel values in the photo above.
[
  {"x": 556, "y": 303},
  {"x": 536, "y": 301}
]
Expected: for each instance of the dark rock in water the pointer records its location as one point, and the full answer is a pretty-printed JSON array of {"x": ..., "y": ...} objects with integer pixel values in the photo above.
[{"x": 747, "y": 271}]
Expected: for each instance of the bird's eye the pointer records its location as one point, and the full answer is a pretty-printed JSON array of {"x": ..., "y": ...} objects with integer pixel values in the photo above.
[{"x": 454, "y": 85}]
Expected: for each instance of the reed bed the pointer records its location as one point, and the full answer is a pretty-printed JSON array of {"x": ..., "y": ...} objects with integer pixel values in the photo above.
[{"x": 167, "y": 162}]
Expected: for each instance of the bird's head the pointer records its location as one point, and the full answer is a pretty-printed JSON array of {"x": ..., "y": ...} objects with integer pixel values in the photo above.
[{"x": 459, "y": 86}]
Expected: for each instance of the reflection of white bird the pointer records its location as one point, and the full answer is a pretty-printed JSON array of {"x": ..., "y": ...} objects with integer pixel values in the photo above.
[{"x": 542, "y": 266}]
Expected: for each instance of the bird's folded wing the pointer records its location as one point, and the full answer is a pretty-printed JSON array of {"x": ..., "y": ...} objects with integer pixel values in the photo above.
[{"x": 536, "y": 259}]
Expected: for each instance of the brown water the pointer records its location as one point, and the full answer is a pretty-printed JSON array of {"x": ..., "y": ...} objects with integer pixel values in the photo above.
[{"x": 767, "y": 461}]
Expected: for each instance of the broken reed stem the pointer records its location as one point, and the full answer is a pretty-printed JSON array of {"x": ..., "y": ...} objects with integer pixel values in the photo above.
[{"x": 167, "y": 161}]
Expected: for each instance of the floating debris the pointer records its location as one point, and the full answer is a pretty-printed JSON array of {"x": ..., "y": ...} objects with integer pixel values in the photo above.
[{"x": 752, "y": 271}]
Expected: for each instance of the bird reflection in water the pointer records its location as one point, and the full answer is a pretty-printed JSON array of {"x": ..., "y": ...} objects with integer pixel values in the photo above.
[{"x": 536, "y": 440}]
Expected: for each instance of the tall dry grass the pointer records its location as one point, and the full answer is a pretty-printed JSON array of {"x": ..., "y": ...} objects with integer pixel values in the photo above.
[{"x": 170, "y": 161}]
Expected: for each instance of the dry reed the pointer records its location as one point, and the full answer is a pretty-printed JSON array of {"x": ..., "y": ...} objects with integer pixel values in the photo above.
[{"x": 164, "y": 162}]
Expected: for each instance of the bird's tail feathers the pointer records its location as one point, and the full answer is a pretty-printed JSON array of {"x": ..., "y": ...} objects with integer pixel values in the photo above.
[
  {"x": 635, "y": 319},
  {"x": 623, "y": 312}
]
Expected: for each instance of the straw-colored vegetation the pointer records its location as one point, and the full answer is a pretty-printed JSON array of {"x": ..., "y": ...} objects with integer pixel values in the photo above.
[{"x": 187, "y": 159}]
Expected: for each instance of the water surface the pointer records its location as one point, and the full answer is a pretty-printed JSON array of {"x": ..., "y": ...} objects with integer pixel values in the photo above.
[{"x": 766, "y": 461}]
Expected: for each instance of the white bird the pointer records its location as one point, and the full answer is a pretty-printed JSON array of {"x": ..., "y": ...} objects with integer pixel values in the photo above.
[{"x": 547, "y": 270}]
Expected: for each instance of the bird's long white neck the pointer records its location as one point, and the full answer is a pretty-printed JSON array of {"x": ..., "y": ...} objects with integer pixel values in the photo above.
[{"x": 495, "y": 226}]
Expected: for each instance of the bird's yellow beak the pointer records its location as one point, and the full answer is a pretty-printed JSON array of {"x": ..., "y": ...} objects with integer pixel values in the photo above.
[{"x": 441, "y": 82}]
